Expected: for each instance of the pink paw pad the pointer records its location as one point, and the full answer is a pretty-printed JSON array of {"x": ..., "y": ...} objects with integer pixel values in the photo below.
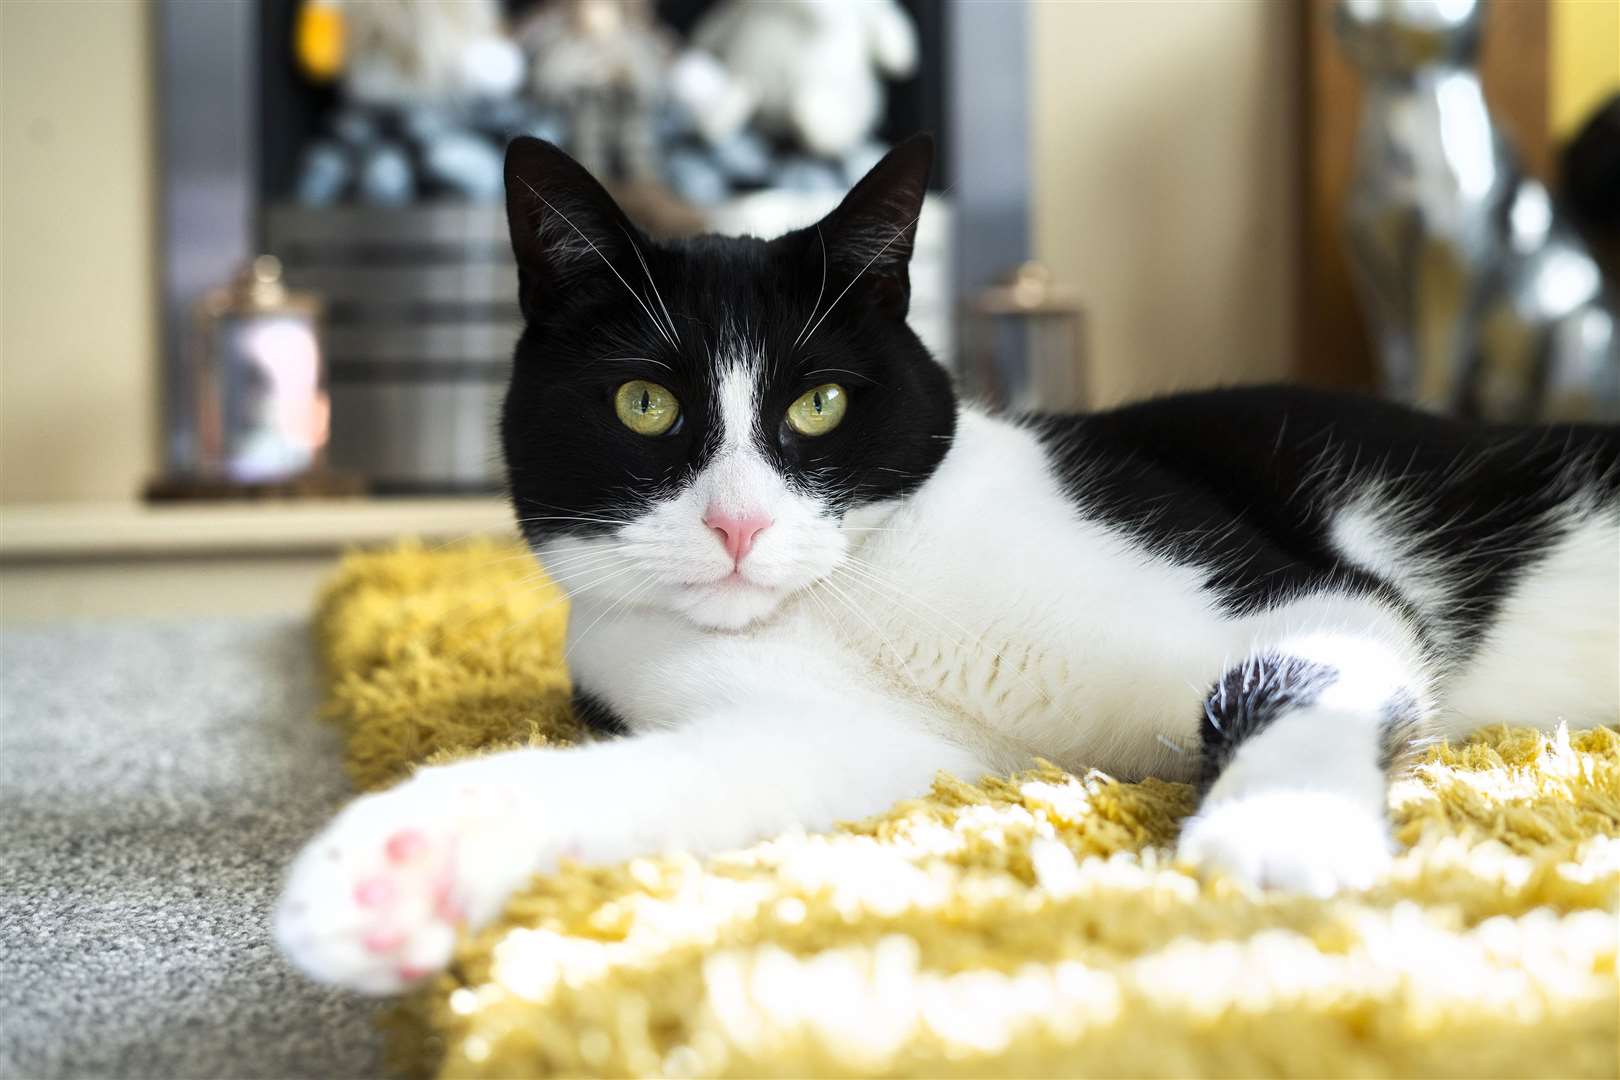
[
  {"x": 410, "y": 973},
  {"x": 379, "y": 941},
  {"x": 405, "y": 845},
  {"x": 445, "y": 906},
  {"x": 374, "y": 892}
]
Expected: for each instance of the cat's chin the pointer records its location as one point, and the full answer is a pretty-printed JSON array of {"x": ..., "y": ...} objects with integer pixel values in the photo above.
[{"x": 731, "y": 604}]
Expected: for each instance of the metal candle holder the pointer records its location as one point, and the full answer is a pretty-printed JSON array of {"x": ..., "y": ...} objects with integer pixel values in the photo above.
[
  {"x": 1023, "y": 345},
  {"x": 262, "y": 411}
]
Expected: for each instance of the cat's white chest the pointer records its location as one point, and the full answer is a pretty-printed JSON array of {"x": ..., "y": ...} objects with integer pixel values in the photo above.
[
  {"x": 1023, "y": 662},
  {"x": 1053, "y": 638}
]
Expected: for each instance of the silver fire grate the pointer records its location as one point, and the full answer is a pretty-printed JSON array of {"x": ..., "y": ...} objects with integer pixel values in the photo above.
[{"x": 421, "y": 320}]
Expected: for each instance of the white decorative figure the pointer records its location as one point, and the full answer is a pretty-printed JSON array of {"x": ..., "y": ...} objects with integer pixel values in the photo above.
[{"x": 809, "y": 70}]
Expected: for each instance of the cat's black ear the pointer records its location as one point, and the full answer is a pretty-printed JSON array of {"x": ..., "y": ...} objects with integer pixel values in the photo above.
[
  {"x": 871, "y": 233},
  {"x": 567, "y": 232}
]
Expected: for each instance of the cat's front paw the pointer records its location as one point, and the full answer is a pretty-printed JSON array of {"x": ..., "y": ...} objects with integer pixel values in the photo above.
[
  {"x": 374, "y": 902},
  {"x": 1305, "y": 841}
]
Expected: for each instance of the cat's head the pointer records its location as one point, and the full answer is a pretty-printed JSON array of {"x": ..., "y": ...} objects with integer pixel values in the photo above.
[{"x": 706, "y": 426}]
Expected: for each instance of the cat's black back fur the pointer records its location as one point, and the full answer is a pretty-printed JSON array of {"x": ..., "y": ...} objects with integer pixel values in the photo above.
[{"x": 1247, "y": 481}]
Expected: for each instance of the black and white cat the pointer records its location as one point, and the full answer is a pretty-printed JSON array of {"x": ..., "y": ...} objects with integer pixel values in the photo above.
[{"x": 805, "y": 580}]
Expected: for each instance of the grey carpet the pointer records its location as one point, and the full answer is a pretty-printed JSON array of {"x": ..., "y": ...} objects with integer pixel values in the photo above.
[{"x": 154, "y": 779}]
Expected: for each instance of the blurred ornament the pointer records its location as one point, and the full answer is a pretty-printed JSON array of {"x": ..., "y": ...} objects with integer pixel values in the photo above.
[
  {"x": 858, "y": 161},
  {"x": 318, "y": 39},
  {"x": 501, "y": 118},
  {"x": 806, "y": 175},
  {"x": 466, "y": 164},
  {"x": 354, "y": 126},
  {"x": 695, "y": 177},
  {"x": 547, "y": 124},
  {"x": 603, "y": 63},
  {"x": 397, "y": 52},
  {"x": 745, "y": 158},
  {"x": 426, "y": 84},
  {"x": 1483, "y": 301},
  {"x": 491, "y": 66},
  {"x": 712, "y": 102},
  {"x": 261, "y": 410},
  {"x": 323, "y": 174},
  {"x": 806, "y": 70},
  {"x": 672, "y": 123},
  {"x": 420, "y": 122},
  {"x": 1024, "y": 345},
  {"x": 385, "y": 176}
]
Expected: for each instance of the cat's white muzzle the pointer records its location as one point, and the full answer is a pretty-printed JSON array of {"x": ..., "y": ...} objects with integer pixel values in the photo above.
[{"x": 731, "y": 603}]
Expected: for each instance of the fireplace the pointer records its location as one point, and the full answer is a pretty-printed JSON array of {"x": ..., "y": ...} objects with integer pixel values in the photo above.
[{"x": 418, "y": 284}]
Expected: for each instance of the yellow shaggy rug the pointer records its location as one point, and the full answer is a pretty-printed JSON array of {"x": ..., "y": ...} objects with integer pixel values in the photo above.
[{"x": 1028, "y": 926}]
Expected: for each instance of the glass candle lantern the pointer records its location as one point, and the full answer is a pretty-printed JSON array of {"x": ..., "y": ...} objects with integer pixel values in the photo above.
[
  {"x": 1023, "y": 345},
  {"x": 262, "y": 411}
]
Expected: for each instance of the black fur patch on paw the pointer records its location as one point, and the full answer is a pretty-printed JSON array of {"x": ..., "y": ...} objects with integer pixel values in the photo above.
[
  {"x": 597, "y": 715},
  {"x": 1401, "y": 734},
  {"x": 1251, "y": 695}
]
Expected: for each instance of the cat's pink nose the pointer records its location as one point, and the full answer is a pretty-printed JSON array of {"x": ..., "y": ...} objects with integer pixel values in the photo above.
[{"x": 737, "y": 530}]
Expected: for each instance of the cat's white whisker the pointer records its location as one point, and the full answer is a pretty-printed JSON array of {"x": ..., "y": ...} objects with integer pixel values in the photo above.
[
  {"x": 836, "y": 371},
  {"x": 897, "y": 235},
  {"x": 564, "y": 520},
  {"x": 572, "y": 513},
  {"x": 575, "y": 565},
  {"x": 641, "y": 359},
  {"x": 971, "y": 644},
  {"x": 653, "y": 285},
  {"x": 855, "y": 610},
  {"x": 819, "y": 292},
  {"x": 567, "y": 596},
  {"x": 605, "y": 261},
  {"x": 624, "y": 600},
  {"x": 1164, "y": 740}
]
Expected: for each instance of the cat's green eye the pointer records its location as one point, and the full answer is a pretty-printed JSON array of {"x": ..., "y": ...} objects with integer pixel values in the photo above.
[
  {"x": 646, "y": 408},
  {"x": 819, "y": 411}
]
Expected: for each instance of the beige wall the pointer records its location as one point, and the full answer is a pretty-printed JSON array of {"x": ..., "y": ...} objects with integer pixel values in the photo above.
[
  {"x": 77, "y": 323},
  {"x": 1165, "y": 184},
  {"x": 1585, "y": 61}
]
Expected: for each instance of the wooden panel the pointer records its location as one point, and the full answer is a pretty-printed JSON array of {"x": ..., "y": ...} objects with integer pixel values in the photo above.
[
  {"x": 1335, "y": 348},
  {"x": 49, "y": 531},
  {"x": 1514, "y": 63}
]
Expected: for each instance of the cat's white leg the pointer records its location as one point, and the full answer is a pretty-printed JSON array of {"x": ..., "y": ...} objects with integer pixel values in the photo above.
[
  {"x": 375, "y": 901},
  {"x": 1298, "y": 739}
]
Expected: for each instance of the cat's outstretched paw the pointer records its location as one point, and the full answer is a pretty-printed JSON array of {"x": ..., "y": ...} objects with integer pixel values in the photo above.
[
  {"x": 375, "y": 901},
  {"x": 1305, "y": 841}
]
